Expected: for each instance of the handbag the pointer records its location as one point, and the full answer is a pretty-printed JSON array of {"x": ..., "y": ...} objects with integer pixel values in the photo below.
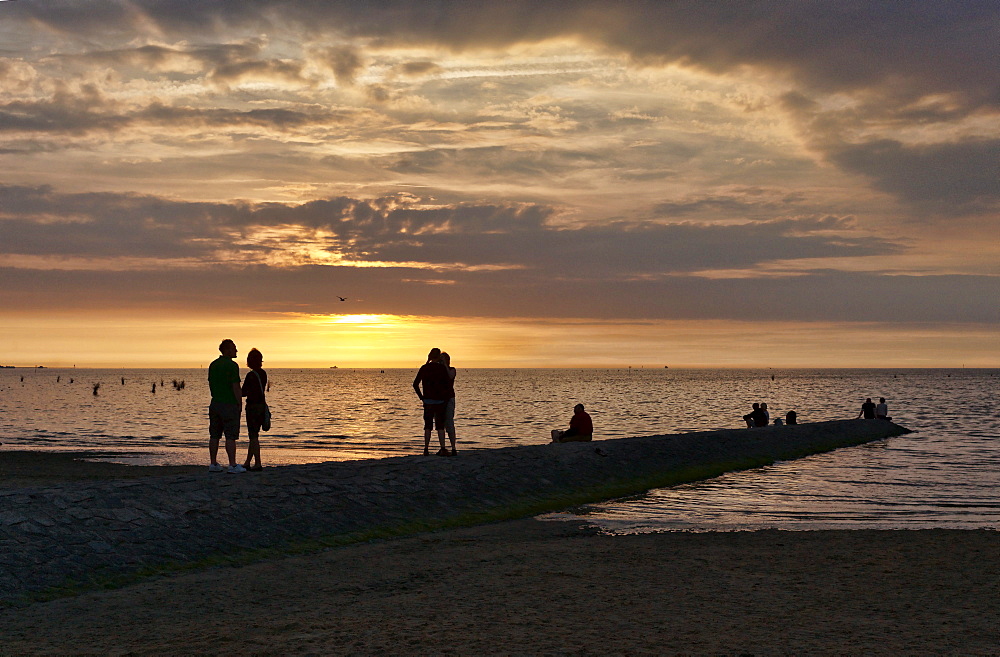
[{"x": 266, "y": 424}]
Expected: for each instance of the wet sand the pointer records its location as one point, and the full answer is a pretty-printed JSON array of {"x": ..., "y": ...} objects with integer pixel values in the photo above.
[{"x": 528, "y": 587}]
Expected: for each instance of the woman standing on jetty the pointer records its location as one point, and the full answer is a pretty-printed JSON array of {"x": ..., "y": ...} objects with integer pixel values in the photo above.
[
  {"x": 258, "y": 415},
  {"x": 449, "y": 409}
]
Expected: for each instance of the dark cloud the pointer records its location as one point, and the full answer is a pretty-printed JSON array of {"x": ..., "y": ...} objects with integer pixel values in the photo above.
[
  {"x": 919, "y": 47},
  {"x": 78, "y": 113},
  {"x": 951, "y": 177},
  {"x": 418, "y": 68},
  {"x": 66, "y": 111},
  {"x": 162, "y": 58},
  {"x": 269, "y": 70},
  {"x": 345, "y": 62},
  {"x": 39, "y": 221}
]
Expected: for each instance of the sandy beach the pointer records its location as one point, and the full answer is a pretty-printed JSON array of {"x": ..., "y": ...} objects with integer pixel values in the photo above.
[
  {"x": 529, "y": 587},
  {"x": 534, "y": 587}
]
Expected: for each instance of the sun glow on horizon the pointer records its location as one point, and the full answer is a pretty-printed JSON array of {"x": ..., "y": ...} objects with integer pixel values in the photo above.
[{"x": 386, "y": 340}]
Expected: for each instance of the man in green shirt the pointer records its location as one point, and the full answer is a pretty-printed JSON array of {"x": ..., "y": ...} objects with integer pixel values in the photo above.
[{"x": 226, "y": 407}]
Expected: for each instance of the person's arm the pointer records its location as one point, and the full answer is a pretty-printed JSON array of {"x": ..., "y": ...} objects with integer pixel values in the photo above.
[{"x": 416, "y": 384}]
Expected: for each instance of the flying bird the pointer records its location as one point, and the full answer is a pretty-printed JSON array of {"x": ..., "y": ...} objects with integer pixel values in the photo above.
[{"x": 342, "y": 298}]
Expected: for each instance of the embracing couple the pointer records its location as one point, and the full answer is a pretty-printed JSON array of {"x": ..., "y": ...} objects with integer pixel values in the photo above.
[{"x": 437, "y": 378}]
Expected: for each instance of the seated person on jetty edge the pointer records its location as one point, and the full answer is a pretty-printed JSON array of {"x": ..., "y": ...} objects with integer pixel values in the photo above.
[
  {"x": 581, "y": 428},
  {"x": 867, "y": 409},
  {"x": 882, "y": 410},
  {"x": 758, "y": 417}
]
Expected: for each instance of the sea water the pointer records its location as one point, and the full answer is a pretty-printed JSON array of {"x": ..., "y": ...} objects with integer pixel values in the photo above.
[{"x": 946, "y": 474}]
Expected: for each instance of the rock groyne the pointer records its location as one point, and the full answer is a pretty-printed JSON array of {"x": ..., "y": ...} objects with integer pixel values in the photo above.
[{"x": 87, "y": 534}]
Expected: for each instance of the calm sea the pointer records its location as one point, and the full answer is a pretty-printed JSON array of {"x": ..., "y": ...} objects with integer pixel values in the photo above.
[{"x": 946, "y": 474}]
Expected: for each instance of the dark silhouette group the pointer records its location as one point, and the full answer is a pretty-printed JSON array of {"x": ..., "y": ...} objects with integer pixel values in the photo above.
[
  {"x": 872, "y": 411},
  {"x": 761, "y": 417}
]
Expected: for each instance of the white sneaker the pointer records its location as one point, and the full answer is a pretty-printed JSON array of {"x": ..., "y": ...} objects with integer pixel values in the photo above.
[
  {"x": 236, "y": 469},
  {"x": 215, "y": 467}
]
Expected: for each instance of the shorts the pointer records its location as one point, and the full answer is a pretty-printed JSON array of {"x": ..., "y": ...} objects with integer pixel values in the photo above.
[
  {"x": 434, "y": 415},
  {"x": 572, "y": 436},
  {"x": 224, "y": 419},
  {"x": 255, "y": 418}
]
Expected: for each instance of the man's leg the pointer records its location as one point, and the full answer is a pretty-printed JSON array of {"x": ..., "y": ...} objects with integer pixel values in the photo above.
[
  {"x": 232, "y": 432},
  {"x": 213, "y": 449},
  {"x": 427, "y": 442},
  {"x": 215, "y": 423},
  {"x": 231, "y": 451}
]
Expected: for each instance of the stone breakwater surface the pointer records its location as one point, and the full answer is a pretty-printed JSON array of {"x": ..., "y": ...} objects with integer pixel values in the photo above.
[{"x": 87, "y": 533}]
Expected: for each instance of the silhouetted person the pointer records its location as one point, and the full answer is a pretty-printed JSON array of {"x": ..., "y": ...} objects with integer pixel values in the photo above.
[
  {"x": 791, "y": 418},
  {"x": 867, "y": 409},
  {"x": 767, "y": 414},
  {"x": 433, "y": 375},
  {"x": 581, "y": 428},
  {"x": 757, "y": 417},
  {"x": 882, "y": 409},
  {"x": 226, "y": 407},
  {"x": 258, "y": 415},
  {"x": 449, "y": 409}
]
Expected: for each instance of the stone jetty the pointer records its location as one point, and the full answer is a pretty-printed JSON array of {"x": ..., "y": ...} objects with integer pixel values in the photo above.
[{"x": 77, "y": 535}]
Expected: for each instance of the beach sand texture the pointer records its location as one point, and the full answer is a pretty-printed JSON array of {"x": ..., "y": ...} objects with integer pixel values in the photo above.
[{"x": 528, "y": 587}]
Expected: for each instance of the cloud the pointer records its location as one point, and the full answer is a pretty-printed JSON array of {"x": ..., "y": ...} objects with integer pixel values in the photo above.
[
  {"x": 38, "y": 221},
  {"x": 414, "y": 69},
  {"x": 180, "y": 58},
  {"x": 949, "y": 177},
  {"x": 917, "y": 46},
  {"x": 345, "y": 62},
  {"x": 89, "y": 110},
  {"x": 819, "y": 296}
]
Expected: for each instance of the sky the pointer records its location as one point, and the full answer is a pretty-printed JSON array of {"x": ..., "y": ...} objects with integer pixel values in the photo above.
[{"x": 526, "y": 183}]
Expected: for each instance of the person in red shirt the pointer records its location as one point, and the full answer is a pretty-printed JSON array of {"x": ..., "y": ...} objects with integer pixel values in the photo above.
[{"x": 581, "y": 428}]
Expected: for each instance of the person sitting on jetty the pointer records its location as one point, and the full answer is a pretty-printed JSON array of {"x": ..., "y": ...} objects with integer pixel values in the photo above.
[
  {"x": 882, "y": 409},
  {"x": 867, "y": 409},
  {"x": 791, "y": 417},
  {"x": 581, "y": 428},
  {"x": 436, "y": 385},
  {"x": 757, "y": 417}
]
